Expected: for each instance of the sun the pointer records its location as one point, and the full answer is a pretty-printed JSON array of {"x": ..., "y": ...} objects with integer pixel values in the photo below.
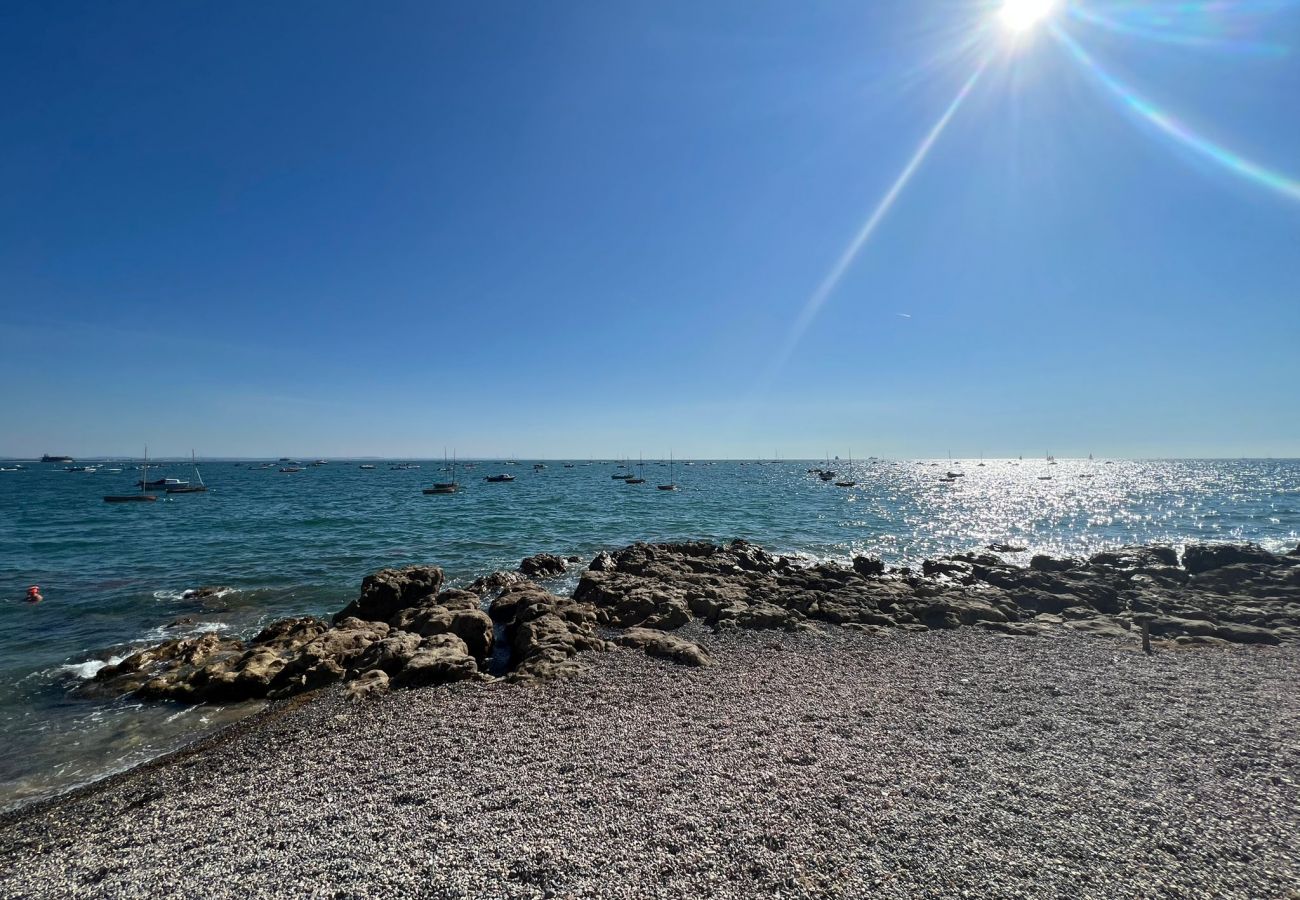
[{"x": 1020, "y": 16}]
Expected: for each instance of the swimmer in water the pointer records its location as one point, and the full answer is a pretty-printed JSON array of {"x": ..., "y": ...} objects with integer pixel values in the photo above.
[{"x": 34, "y": 594}]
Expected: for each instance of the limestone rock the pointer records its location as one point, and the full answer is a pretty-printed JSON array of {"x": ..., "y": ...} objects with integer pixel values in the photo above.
[{"x": 666, "y": 646}]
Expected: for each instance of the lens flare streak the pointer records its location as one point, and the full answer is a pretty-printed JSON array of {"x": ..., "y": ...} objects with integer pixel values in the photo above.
[
  {"x": 1238, "y": 165},
  {"x": 837, "y": 272}
]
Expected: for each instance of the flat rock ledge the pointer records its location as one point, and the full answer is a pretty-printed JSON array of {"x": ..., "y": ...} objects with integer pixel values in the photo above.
[{"x": 406, "y": 629}]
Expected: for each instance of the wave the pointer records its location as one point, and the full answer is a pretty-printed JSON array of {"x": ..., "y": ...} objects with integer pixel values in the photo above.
[{"x": 85, "y": 671}]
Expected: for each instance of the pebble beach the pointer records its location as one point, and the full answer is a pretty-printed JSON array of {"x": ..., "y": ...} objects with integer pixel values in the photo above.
[{"x": 825, "y": 763}]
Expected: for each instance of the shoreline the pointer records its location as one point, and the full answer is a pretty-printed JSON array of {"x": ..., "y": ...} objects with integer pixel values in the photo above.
[
  {"x": 828, "y": 762},
  {"x": 452, "y": 679}
]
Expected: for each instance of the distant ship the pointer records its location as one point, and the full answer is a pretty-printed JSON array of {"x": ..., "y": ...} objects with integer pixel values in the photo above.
[{"x": 57, "y": 459}]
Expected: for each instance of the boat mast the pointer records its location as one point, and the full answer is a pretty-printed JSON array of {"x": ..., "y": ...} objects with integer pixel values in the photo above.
[
  {"x": 194, "y": 462},
  {"x": 144, "y": 473}
]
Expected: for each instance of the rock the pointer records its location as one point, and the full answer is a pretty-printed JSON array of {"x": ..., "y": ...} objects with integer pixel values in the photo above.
[
  {"x": 181, "y": 622},
  {"x": 370, "y": 685},
  {"x": 604, "y": 562},
  {"x": 868, "y": 566},
  {"x": 495, "y": 583},
  {"x": 1101, "y": 627},
  {"x": 1005, "y": 548},
  {"x": 1016, "y": 628},
  {"x": 290, "y": 634},
  {"x": 207, "y": 592},
  {"x": 457, "y": 599},
  {"x": 666, "y": 646},
  {"x": 442, "y": 658},
  {"x": 1246, "y": 634},
  {"x": 543, "y": 565},
  {"x": 1296, "y": 551},
  {"x": 388, "y": 591},
  {"x": 1042, "y": 563},
  {"x": 1198, "y": 558},
  {"x": 1128, "y": 558},
  {"x": 545, "y": 631},
  {"x": 390, "y": 654}
]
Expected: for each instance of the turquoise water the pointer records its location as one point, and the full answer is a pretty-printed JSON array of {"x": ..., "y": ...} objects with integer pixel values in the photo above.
[{"x": 113, "y": 575}]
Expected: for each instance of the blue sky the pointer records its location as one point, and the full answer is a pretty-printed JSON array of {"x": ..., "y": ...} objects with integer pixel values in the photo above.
[{"x": 551, "y": 229}]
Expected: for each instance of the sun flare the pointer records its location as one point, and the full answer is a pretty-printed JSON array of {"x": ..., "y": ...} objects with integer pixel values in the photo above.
[{"x": 1020, "y": 16}]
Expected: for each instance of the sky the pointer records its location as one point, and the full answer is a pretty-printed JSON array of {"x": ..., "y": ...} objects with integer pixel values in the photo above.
[{"x": 595, "y": 229}]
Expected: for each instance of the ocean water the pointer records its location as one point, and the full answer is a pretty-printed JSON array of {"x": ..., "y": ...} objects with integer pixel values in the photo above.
[{"x": 114, "y": 576}]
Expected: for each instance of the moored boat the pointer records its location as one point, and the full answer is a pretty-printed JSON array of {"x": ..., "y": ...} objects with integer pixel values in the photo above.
[
  {"x": 497, "y": 479},
  {"x": 199, "y": 488},
  {"x": 141, "y": 497}
]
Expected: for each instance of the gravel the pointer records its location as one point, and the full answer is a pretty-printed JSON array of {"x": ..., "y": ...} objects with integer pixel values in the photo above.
[{"x": 838, "y": 764}]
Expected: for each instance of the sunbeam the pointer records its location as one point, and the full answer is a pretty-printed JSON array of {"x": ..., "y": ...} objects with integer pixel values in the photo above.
[
  {"x": 836, "y": 274},
  {"x": 1238, "y": 165}
]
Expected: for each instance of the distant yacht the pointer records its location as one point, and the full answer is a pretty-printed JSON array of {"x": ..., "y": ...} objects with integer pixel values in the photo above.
[
  {"x": 162, "y": 483},
  {"x": 671, "y": 485},
  {"x": 445, "y": 487},
  {"x": 141, "y": 497},
  {"x": 846, "y": 483},
  {"x": 498, "y": 479},
  {"x": 639, "y": 478},
  {"x": 190, "y": 488},
  {"x": 365, "y": 466}
]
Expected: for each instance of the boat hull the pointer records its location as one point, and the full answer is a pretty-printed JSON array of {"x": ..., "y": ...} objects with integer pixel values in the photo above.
[{"x": 131, "y": 498}]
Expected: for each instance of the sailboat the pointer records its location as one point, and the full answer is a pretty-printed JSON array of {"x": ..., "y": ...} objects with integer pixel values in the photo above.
[
  {"x": 671, "y": 485},
  {"x": 639, "y": 479},
  {"x": 826, "y": 474},
  {"x": 446, "y": 487},
  {"x": 846, "y": 483},
  {"x": 141, "y": 497},
  {"x": 190, "y": 488}
]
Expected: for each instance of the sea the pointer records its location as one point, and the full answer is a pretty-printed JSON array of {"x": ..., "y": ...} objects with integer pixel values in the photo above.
[{"x": 114, "y": 576}]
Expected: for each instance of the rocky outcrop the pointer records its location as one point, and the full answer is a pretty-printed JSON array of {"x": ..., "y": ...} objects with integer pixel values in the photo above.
[
  {"x": 406, "y": 630},
  {"x": 545, "y": 632},
  {"x": 428, "y": 637},
  {"x": 1199, "y": 558},
  {"x": 543, "y": 565},
  {"x": 1238, "y": 594},
  {"x": 389, "y": 591}
]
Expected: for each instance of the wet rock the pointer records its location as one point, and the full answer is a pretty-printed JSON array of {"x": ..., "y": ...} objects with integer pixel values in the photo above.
[
  {"x": 1005, "y": 548},
  {"x": 604, "y": 562},
  {"x": 543, "y": 565},
  {"x": 495, "y": 583},
  {"x": 290, "y": 634},
  {"x": 1043, "y": 563},
  {"x": 868, "y": 566},
  {"x": 666, "y": 646},
  {"x": 1198, "y": 558},
  {"x": 1135, "y": 558},
  {"x": 389, "y": 591},
  {"x": 207, "y": 592}
]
